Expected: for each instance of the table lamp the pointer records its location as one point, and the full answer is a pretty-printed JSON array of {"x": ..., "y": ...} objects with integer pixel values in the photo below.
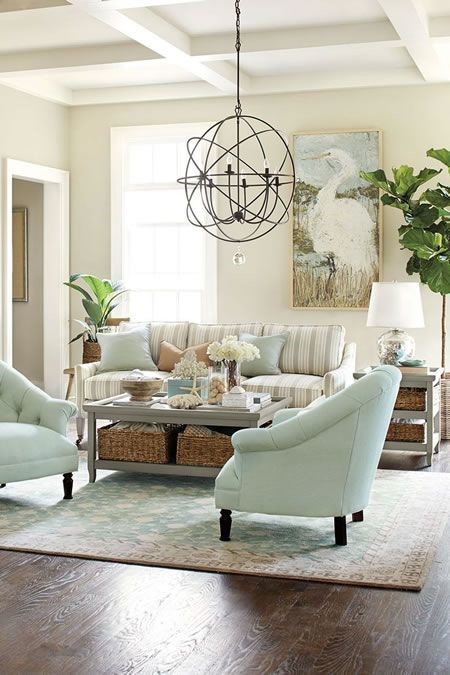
[{"x": 399, "y": 304}]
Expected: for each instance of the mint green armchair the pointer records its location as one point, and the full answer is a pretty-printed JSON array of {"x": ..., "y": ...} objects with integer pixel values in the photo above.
[
  {"x": 317, "y": 462},
  {"x": 33, "y": 439}
]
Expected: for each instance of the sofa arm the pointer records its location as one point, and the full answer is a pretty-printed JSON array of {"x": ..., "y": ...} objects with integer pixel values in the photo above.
[
  {"x": 82, "y": 372},
  {"x": 286, "y": 414},
  {"x": 56, "y": 413},
  {"x": 342, "y": 377}
]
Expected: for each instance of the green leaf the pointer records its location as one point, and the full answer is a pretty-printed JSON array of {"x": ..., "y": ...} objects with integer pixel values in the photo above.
[
  {"x": 79, "y": 289},
  {"x": 413, "y": 265},
  {"x": 94, "y": 311},
  {"x": 436, "y": 198},
  {"x": 422, "y": 215},
  {"x": 108, "y": 308},
  {"x": 424, "y": 244},
  {"x": 395, "y": 202},
  {"x": 98, "y": 286},
  {"x": 406, "y": 182},
  {"x": 436, "y": 274},
  {"x": 80, "y": 335},
  {"x": 442, "y": 155},
  {"x": 377, "y": 178}
]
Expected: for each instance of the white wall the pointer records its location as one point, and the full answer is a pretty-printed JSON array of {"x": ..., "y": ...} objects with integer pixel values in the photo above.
[
  {"x": 28, "y": 332},
  {"x": 412, "y": 119},
  {"x": 31, "y": 130}
]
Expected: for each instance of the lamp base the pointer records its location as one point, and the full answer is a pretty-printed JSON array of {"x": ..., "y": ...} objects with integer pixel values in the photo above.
[{"x": 394, "y": 346}]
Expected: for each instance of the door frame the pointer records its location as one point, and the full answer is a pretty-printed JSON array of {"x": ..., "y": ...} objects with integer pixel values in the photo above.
[{"x": 56, "y": 268}]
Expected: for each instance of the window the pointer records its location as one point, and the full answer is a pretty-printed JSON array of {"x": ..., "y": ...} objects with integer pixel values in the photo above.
[{"x": 168, "y": 265}]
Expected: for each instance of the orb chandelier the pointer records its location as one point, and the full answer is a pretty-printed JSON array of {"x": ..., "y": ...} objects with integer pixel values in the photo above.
[{"x": 239, "y": 179}]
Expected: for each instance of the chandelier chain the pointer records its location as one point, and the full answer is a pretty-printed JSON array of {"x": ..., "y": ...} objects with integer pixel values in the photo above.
[{"x": 238, "y": 107}]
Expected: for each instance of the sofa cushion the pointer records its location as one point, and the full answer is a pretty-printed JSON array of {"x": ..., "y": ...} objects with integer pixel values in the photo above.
[
  {"x": 175, "y": 332},
  {"x": 109, "y": 384},
  {"x": 125, "y": 350},
  {"x": 209, "y": 332},
  {"x": 312, "y": 350},
  {"x": 270, "y": 348},
  {"x": 301, "y": 388},
  {"x": 170, "y": 355}
]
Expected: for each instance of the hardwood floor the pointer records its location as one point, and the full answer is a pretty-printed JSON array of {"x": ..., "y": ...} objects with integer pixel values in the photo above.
[{"x": 62, "y": 615}]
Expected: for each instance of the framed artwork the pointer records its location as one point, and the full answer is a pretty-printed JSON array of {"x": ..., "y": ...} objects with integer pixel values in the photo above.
[
  {"x": 336, "y": 238},
  {"x": 20, "y": 254}
]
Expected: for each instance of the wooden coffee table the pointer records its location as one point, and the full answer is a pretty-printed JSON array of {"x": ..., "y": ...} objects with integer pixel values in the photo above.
[{"x": 216, "y": 416}]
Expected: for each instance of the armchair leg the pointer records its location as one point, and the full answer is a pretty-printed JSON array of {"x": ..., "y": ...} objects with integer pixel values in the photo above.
[
  {"x": 225, "y": 524},
  {"x": 2, "y": 485},
  {"x": 68, "y": 485},
  {"x": 80, "y": 429},
  {"x": 340, "y": 531},
  {"x": 358, "y": 517}
]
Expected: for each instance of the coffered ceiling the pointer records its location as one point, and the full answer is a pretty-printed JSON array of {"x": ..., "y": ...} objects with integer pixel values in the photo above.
[{"x": 79, "y": 52}]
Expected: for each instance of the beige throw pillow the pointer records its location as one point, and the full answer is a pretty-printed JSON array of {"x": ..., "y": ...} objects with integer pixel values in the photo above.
[{"x": 170, "y": 355}]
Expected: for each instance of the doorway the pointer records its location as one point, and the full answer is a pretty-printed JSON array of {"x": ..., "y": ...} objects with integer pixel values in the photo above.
[{"x": 54, "y": 329}]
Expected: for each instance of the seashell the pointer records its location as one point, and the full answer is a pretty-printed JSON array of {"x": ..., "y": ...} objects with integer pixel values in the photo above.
[
  {"x": 237, "y": 390},
  {"x": 184, "y": 401}
]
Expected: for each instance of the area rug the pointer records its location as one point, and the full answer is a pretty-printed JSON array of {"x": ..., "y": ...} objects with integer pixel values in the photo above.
[{"x": 171, "y": 522}]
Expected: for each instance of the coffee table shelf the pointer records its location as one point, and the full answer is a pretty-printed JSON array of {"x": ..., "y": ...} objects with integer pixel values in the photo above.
[{"x": 162, "y": 414}]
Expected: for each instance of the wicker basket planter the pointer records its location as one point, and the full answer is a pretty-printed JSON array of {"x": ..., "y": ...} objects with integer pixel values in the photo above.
[
  {"x": 91, "y": 351},
  {"x": 408, "y": 433},
  {"x": 411, "y": 398},
  {"x": 136, "y": 442},
  {"x": 445, "y": 406},
  {"x": 199, "y": 446}
]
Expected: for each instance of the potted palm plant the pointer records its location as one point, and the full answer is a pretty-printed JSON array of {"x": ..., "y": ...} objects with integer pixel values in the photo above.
[
  {"x": 99, "y": 300},
  {"x": 426, "y": 234}
]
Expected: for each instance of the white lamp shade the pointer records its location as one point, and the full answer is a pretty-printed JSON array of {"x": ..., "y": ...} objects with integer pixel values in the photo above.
[{"x": 395, "y": 304}]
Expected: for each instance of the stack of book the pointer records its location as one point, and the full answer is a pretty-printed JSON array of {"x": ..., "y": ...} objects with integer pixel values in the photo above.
[
  {"x": 263, "y": 398},
  {"x": 237, "y": 400}
]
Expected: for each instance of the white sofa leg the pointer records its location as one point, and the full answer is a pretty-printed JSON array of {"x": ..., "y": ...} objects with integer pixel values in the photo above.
[{"x": 80, "y": 429}]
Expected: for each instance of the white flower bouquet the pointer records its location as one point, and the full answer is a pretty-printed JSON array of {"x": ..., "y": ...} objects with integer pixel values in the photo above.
[{"x": 232, "y": 349}]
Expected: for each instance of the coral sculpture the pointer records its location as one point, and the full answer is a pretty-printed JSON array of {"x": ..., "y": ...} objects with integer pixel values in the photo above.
[{"x": 184, "y": 401}]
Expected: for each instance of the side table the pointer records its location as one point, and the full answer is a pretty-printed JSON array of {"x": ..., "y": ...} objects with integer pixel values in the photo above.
[
  {"x": 71, "y": 373},
  {"x": 431, "y": 383}
]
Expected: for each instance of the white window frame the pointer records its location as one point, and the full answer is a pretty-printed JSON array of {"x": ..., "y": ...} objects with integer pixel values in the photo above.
[{"x": 120, "y": 137}]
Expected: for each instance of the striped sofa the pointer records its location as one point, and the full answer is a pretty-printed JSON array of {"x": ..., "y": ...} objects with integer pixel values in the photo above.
[{"x": 315, "y": 361}]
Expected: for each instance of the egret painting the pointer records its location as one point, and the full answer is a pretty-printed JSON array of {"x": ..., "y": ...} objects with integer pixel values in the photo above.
[{"x": 336, "y": 224}]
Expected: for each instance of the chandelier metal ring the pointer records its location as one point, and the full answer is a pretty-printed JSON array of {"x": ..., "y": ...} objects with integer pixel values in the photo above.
[{"x": 232, "y": 190}]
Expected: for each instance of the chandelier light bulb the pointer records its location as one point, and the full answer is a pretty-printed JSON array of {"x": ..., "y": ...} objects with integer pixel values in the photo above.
[{"x": 239, "y": 257}]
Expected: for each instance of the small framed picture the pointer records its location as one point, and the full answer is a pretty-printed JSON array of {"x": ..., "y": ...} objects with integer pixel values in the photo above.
[{"x": 20, "y": 254}]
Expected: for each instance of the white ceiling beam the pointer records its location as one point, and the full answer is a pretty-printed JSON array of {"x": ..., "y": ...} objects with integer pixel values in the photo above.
[
  {"x": 46, "y": 89},
  {"x": 410, "y": 20},
  {"x": 148, "y": 29},
  {"x": 42, "y": 62},
  {"x": 128, "y": 4},
  {"x": 221, "y": 46},
  {"x": 335, "y": 79}
]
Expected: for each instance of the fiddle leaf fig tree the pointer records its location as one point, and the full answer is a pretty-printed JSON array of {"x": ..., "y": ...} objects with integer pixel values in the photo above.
[{"x": 426, "y": 229}]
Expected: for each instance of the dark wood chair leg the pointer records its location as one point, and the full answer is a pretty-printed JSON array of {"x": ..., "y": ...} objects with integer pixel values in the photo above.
[
  {"x": 225, "y": 524},
  {"x": 340, "y": 531},
  {"x": 3, "y": 485},
  {"x": 68, "y": 485},
  {"x": 358, "y": 517}
]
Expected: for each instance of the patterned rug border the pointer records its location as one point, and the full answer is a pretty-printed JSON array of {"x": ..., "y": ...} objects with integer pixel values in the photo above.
[
  {"x": 217, "y": 570},
  {"x": 425, "y": 495}
]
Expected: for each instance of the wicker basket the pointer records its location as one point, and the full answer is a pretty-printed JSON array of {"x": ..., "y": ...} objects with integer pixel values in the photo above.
[
  {"x": 411, "y": 398},
  {"x": 445, "y": 406},
  {"x": 408, "y": 433},
  {"x": 199, "y": 446},
  {"x": 135, "y": 442},
  {"x": 91, "y": 351}
]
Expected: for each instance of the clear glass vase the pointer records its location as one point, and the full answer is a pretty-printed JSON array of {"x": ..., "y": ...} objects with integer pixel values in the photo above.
[
  {"x": 217, "y": 383},
  {"x": 234, "y": 374}
]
